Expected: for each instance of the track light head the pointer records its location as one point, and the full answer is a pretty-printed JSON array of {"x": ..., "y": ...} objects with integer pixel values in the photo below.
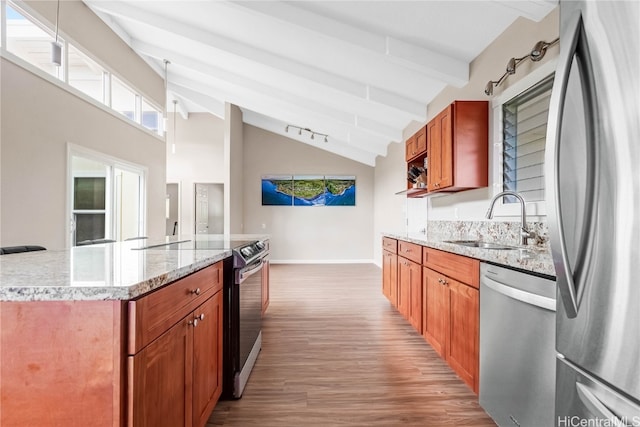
[
  {"x": 511, "y": 66},
  {"x": 313, "y": 135},
  {"x": 325, "y": 139},
  {"x": 488, "y": 89},
  {"x": 286, "y": 129},
  {"x": 299, "y": 131},
  {"x": 538, "y": 51}
]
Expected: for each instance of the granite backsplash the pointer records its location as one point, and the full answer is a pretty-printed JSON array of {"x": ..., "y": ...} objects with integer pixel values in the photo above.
[{"x": 488, "y": 231}]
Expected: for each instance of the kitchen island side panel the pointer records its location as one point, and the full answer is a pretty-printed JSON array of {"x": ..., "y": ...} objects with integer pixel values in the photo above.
[{"x": 62, "y": 363}]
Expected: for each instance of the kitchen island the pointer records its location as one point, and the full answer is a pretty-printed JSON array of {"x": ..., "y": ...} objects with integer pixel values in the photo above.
[{"x": 116, "y": 334}]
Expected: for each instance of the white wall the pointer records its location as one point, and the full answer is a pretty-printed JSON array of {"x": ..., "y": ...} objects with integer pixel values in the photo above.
[
  {"x": 305, "y": 233},
  {"x": 235, "y": 173},
  {"x": 516, "y": 40},
  {"x": 198, "y": 158},
  {"x": 38, "y": 119}
]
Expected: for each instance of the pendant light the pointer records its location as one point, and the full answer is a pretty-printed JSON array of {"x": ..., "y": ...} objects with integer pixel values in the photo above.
[
  {"x": 173, "y": 146},
  {"x": 56, "y": 48}
]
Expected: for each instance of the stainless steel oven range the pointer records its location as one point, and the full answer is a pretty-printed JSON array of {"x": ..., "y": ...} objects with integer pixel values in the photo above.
[{"x": 243, "y": 314}]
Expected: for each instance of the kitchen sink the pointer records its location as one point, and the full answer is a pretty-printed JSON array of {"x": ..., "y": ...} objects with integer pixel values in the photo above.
[{"x": 481, "y": 245}]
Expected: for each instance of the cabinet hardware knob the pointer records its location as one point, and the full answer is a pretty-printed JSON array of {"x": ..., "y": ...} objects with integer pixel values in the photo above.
[
  {"x": 196, "y": 291},
  {"x": 201, "y": 317},
  {"x": 190, "y": 323}
]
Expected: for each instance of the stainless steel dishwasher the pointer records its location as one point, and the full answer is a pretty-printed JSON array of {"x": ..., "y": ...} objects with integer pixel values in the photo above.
[{"x": 517, "y": 347}]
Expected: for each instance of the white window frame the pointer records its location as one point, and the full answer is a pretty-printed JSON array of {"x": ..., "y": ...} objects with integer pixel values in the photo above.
[
  {"x": 112, "y": 163},
  {"x": 501, "y": 208}
]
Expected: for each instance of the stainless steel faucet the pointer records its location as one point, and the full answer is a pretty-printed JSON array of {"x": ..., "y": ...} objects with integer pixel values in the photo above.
[{"x": 525, "y": 234}]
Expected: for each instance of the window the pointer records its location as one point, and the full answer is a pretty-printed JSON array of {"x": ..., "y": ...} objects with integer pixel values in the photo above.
[
  {"x": 123, "y": 99},
  {"x": 524, "y": 120},
  {"x": 30, "y": 41},
  {"x": 86, "y": 75},
  {"x": 151, "y": 117}
]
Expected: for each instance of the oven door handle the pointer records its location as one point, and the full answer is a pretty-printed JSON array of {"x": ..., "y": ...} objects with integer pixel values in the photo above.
[{"x": 251, "y": 272}]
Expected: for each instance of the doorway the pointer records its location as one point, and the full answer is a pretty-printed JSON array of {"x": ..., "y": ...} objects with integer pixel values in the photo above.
[
  {"x": 209, "y": 208},
  {"x": 173, "y": 209}
]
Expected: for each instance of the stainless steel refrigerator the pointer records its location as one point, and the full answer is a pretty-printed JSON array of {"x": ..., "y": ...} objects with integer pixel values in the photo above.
[{"x": 593, "y": 193}]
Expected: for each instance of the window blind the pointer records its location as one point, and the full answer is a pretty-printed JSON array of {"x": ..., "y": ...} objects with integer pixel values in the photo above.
[{"x": 524, "y": 133}]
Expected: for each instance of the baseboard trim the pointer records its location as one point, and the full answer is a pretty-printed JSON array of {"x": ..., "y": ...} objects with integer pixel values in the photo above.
[{"x": 322, "y": 261}]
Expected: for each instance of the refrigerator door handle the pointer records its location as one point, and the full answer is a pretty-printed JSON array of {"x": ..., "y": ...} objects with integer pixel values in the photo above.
[
  {"x": 596, "y": 407},
  {"x": 565, "y": 273}
]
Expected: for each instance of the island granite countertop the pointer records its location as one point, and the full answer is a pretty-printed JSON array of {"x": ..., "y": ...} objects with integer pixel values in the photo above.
[
  {"x": 530, "y": 258},
  {"x": 111, "y": 271}
]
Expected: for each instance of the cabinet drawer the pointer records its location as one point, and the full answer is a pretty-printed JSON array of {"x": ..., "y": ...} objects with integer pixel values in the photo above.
[
  {"x": 461, "y": 268},
  {"x": 389, "y": 244},
  {"x": 410, "y": 251},
  {"x": 153, "y": 314}
]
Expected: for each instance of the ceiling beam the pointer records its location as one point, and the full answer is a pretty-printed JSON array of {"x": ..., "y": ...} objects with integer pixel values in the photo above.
[
  {"x": 405, "y": 82},
  {"x": 343, "y": 112},
  {"x": 431, "y": 63},
  {"x": 212, "y": 105},
  {"x": 289, "y": 114}
]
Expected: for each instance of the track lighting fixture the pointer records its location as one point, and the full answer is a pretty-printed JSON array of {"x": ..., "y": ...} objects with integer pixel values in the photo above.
[
  {"x": 536, "y": 54},
  {"x": 311, "y": 132}
]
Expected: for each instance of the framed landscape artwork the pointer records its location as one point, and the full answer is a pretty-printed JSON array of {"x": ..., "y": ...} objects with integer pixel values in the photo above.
[{"x": 308, "y": 190}]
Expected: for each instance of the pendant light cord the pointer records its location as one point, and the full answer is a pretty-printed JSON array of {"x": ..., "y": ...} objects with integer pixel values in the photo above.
[{"x": 57, "y": 19}]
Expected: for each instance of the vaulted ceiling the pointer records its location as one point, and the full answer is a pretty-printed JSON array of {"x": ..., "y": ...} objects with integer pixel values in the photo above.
[{"x": 359, "y": 71}]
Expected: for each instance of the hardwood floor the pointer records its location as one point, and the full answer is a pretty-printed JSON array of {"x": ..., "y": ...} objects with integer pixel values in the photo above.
[{"x": 336, "y": 353}]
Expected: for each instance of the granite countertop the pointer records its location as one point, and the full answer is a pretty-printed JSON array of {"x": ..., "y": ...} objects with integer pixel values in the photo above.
[
  {"x": 530, "y": 258},
  {"x": 111, "y": 271}
]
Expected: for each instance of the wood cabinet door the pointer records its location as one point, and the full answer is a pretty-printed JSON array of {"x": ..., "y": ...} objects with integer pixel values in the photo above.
[
  {"x": 462, "y": 350},
  {"x": 436, "y": 311},
  {"x": 207, "y": 358},
  {"x": 410, "y": 148},
  {"x": 421, "y": 141},
  {"x": 160, "y": 380},
  {"x": 415, "y": 307},
  {"x": 446, "y": 148},
  {"x": 390, "y": 276},
  {"x": 440, "y": 149},
  {"x": 404, "y": 287},
  {"x": 434, "y": 149}
]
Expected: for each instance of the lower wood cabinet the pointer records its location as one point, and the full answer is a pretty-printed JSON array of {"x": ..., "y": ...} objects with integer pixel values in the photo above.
[
  {"x": 390, "y": 277},
  {"x": 438, "y": 293},
  {"x": 464, "y": 326},
  {"x": 176, "y": 379},
  {"x": 155, "y": 361},
  {"x": 436, "y": 311},
  {"x": 410, "y": 292}
]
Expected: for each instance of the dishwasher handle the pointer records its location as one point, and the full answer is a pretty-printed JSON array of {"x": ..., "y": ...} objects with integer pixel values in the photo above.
[{"x": 520, "y": 295}]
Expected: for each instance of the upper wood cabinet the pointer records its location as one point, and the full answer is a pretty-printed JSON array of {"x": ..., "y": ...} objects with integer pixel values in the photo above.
[
  {"x": 453, "y": 148},
  {"x": 458, "y": 147},
  {"x": 416, "y": 145}
]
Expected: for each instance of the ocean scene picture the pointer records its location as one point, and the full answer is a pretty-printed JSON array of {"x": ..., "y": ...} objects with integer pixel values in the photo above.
[
  {"x": 341, "y": 190},
  {"x": 277, "y": 190},
  {"x": 308, "y": 190}
]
